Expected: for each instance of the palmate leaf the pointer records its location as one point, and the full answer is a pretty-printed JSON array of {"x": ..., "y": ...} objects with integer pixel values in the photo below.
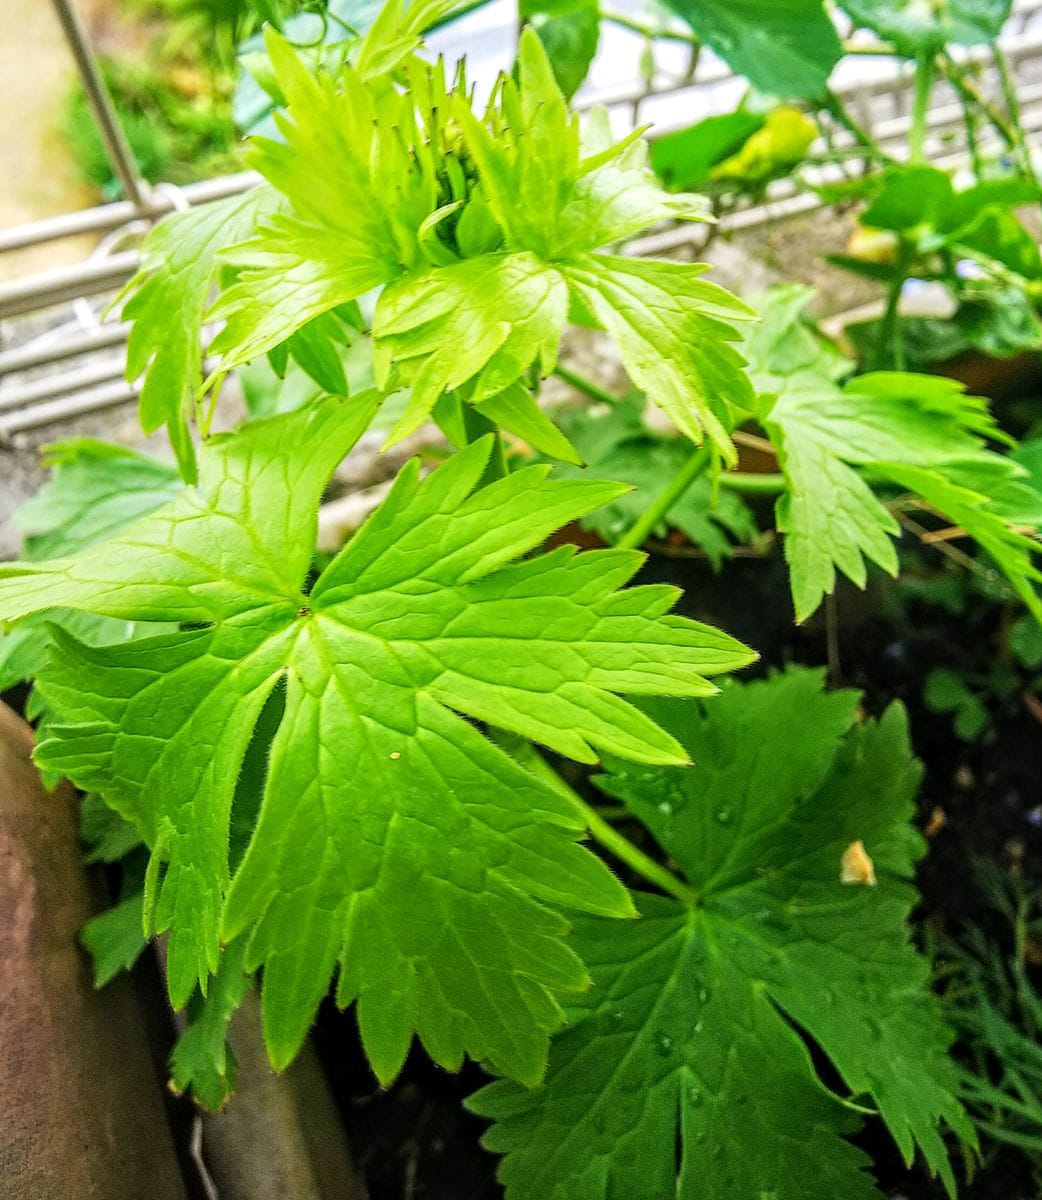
[
  {"x": 481, "y": 231},
  {"x": 393, "y": 838},
  {"x": 922, "y": 432},
  {"x": 687, "y": 1042}
]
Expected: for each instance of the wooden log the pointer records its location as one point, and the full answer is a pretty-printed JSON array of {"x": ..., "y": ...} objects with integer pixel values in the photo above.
[{"x": 81, "y": 1110}]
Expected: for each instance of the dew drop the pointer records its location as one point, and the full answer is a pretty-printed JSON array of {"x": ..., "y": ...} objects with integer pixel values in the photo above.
[
  {"x": 663, "y": 1044},
  {"x": 695, "y": 1097},
  {"x": 724, "y": 815},
  {"x": 703, "y": 995}
]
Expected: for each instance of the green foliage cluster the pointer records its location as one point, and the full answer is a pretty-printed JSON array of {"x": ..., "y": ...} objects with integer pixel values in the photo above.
[{"x": 323, "y": 772}]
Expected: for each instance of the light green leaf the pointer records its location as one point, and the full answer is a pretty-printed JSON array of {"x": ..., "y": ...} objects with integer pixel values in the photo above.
[
  {"x": 786, "y": 48},
  {"x": 919, "y": 26},
  {"x": 392, "y": 836},
  {"x": 682, "y": 1071},
  {"x": 485, "y": 319},
  {"x": 95, "y": 489},
  {"x": 919, "y": 431},
  {"x": 516, "y": 411},
  {"x": 178, "y": 269},
  {"x": 356, "y": 198},
  {"x": 670, "y": 329}
]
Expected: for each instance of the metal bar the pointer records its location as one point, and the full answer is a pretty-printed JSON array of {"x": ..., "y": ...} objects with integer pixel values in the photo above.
[
  {"x": 60, "y": 383},
  {"x": 64, "y": 409},
  {"x": 54, "y": 346},
  {"x": 67, "y": 283},
  {"x": 107, "y": 217},
  {"x": 116, "y": 145}
]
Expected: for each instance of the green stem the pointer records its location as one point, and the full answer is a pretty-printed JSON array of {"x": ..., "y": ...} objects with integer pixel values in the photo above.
[
  {"x": 969, "y": 121},
  {"x": 586, "y": 386},
  {"x": 659, "y": 508},
  {"x": 752, "y": 483},
  {"x": 839, "y": 113},
  {"x": 640, "y": 863},
  {"x": 924, "y": 71},
  {"x": 1009, "y": 93},
  {"x": 971, "y": 94},
  {"x": 890, "y": 348},
  {"x": 649, "y": 31},
  {"x": 609, "y": 837}
]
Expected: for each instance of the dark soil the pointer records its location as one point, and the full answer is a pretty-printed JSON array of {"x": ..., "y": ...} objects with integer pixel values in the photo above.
[{"x": 416, "y": 1140}]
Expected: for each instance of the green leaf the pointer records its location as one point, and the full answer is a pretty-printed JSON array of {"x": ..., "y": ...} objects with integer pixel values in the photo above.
[
  {"x": 485, "y": 319},
  {"x": 774, "y": 149},
  {"x": 392, "y": 836},
  {"x": 569, "y": 32},
  {"x": 1025, "y": 642},
  {"x": 972, "y": 511},
  {"x": 911, "y": 196},
  {"x": 617, "y": 445},
  {"x": 671, "y": 333},
  {"x": 921, "y": 432},
  {"x": 784, "y": 348},
  {"x": 114, "y": 939},
  {"x": 683, "y": 160},
  {"x": 683, "y": 1071},
  {"x": 95, "y": 489},
  {"x": 106, "y": 835},
  {"x": 179, "y": 267},
  {"x": 515, "y": 410},
  {"x": 201, "y": 1061},
  {"x": 916, "y": 28},
  {"x": 785, "y": 48}
]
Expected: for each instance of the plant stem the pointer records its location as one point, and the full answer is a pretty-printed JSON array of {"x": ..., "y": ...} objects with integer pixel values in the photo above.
[
  {"x": 839, "y": 113},
  {"x": 752, "y": 483},
  {"x": 970, "y": 93},
  {"x": 650, "y": 32},
  {"x": 924, "y": 71},
  {"x": 634, "y": 858},
  {"x": 659, "y": 508},
  {"x": 890, "y": 348},
  {"x": 586, "y": 386},
  {"x": 1009, "y": 92},
  {"x": 969, "y": 121}
]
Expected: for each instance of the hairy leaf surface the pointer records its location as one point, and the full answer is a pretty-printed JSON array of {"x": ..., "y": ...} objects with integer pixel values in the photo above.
[{"x": 689, "y": 1038}]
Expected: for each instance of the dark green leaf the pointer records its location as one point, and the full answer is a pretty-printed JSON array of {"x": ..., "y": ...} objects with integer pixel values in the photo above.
[
  {"x": 785, "y": 48},
  {"x": 683, "y": 160}
]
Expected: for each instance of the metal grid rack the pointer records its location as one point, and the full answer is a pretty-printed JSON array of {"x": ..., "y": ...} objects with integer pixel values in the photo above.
[{"x": 60, "y": 358}]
